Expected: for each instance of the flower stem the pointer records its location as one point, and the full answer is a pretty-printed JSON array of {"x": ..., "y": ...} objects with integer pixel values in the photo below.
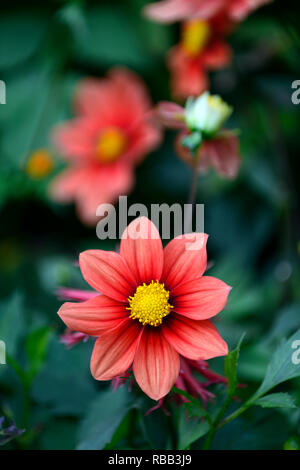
[{"x": 188, "y": 220}]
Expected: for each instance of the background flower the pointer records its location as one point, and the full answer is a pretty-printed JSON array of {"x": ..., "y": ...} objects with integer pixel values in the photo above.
[
  {"x": 202, "y": 48},
  {"x": 110, "y": 134}
]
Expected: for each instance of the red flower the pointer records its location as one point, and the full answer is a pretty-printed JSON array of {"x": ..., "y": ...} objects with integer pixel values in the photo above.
[
  {"x": 168, "y": 11},
  {"x": 155, "y": 307},
  {"x": 109, "y": 136},
  {"x": 202, "y": 48}
]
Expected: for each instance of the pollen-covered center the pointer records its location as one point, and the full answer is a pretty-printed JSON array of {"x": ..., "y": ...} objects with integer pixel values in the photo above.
[
  {"x": 195, "y": 36},
  {"x": 150, "y": 304},
  {"x": 111, "y": 144}
]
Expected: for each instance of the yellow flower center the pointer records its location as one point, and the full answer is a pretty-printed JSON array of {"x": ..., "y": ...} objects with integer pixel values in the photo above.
[
  {"x": 111, "y": 144},
  {"x": 196, "y": 34},
  {"x": 39, "y": 164},
  {"x": 150, "y": 304}
]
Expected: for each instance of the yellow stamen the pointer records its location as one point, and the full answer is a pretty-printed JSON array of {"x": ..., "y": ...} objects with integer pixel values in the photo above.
[
  {"x": 196, "y": 34},
  {"x": 150, "y": 304},
  {"x": 40, "y": 164},
  {"x": 111, "y": 144}
]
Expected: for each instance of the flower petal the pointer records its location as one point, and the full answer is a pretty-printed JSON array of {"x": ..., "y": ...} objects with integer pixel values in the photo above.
[
  {"x": 170, "y": 115},
  {"x": 103, "y": 187},
  {"x": 114, "y": 352},
  {"x": 168, "y": 11},
  {"x": 223, "y": 154},
  {"x": 93, "y": 316},
  {"x": 156, "y": 364},
  {"x": 107, "y": 272},
  {"x": 142, "y": 249},
  {"x": 184, "y": 259},
  {"x": 201, "y": 298},
  {"x": 194, "y": 339}
]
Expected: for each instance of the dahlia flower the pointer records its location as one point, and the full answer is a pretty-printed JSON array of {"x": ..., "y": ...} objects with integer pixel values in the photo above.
[
  {"x": 202, "y": 48},
  {"x": 154, "y": 307},
  {"x": 110, "y": 134},
  {"x": 39, "y": 164},
  {"x": 201, "y": 122},
  {"x": 169, "y": 11}
]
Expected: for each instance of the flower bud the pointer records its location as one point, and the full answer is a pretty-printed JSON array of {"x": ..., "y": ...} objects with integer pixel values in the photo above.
[{"x": 206, "y": 114}]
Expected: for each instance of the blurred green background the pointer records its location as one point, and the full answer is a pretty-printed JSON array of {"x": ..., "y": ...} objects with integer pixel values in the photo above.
[{"x": 253, "y": 222}]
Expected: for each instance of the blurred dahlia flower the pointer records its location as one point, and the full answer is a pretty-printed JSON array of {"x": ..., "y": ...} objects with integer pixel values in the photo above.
[
  {"x": 169, "y": 11},
  {"x": 39, "y": 164},
  {"x": 201, "y": 130},
  {"x": 202, "y": 48},
  {"x": 154, "y": 307},
  {"x": 110, "y": 134}
]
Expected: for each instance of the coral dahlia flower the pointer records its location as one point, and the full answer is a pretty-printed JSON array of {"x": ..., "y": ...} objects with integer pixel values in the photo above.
[
  {"x": 169, "y": 11},
  {"x": 202, "y": 48},
  {"x": 154, "y": 305},
  {"x": 110, "y": 134}
]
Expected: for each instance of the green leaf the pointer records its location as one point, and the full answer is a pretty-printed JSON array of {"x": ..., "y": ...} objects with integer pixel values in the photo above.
[
  {"x": 230, "y": 367},
  {"x": 74, "y": 387},
  {"x": 156, "y": 429},
  {"x": 190, "y": 429},
  {"x": 192, "y": 141},
  {"x": 276, "y": 400},
  {"x": 284, "y": 365},
  {"x": 36, "y": 347},
  {"x": 103, "y": 418},
  {"x": 11, "y": 323}
]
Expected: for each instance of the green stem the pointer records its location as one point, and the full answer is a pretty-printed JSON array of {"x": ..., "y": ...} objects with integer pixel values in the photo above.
[
  {"x": 219, "y": 424},
  {"x": 235, "y": 414},
  {"x": 215, "y": 424},
  {"x": 188, "y": 220}
]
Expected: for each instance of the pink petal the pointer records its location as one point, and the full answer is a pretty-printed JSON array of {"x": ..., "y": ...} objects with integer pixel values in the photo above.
[
  {"x": 103, "y": 187},
  {"x": 113, "y": 353},
  {"x": 201, "y": 298},
  {"x": 223, "y": 154},
  {"x": 107, "y": 272},
  {"x": 121, "y": 95},
  {"x": 171, "y": 115},
  {"x": 93, "y": 316},
  {"x": 188, "y": 75},
  {"x": 184, "y": 259},
  {"x": 75, "y": 139},
  {"x": 142, "y": 249},
  {"x": 143, "y": 138},
  {"x": 69, "y": 182},
  {"x": 156, "y": 364},
  {"x": 168, "y": 11},
  {"x": 64, "y": 293},
  {"x": 239, "y": 9},
  {"x": 194, "y": 339}
]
